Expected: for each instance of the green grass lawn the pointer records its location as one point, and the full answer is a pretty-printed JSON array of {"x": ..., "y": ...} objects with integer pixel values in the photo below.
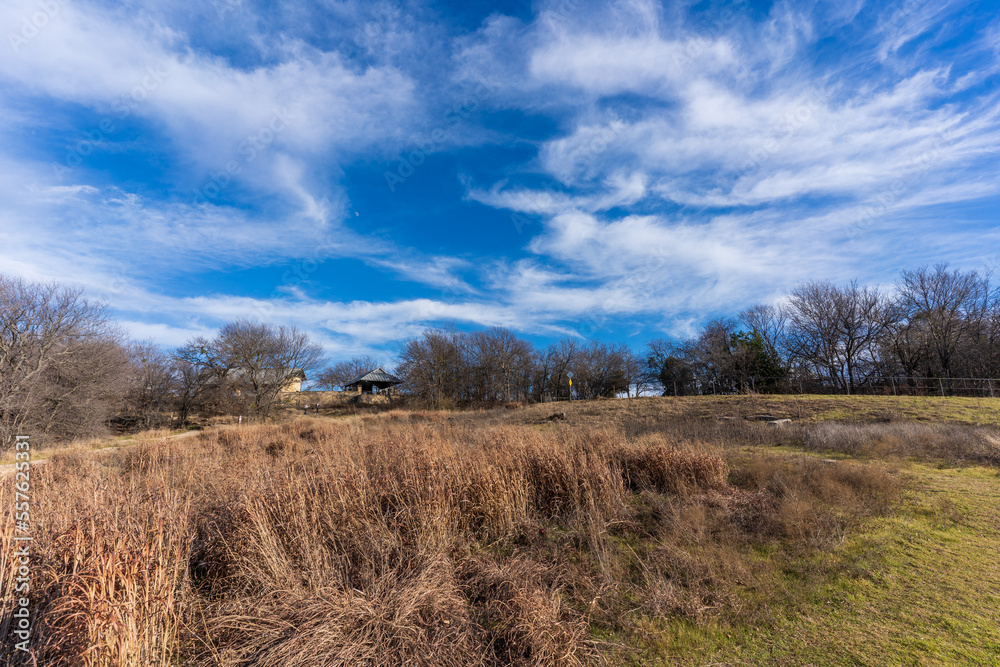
[
  {"x": 957, "y": 410},
  {"x": 813, "y": 408},
  {"x": 807, "y": 408},
  {"x": 920, "y": 587}
]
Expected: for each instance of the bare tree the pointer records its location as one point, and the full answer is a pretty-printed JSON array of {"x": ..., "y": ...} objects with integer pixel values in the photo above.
[
  {"x": 434, "y": 366},
  {"x": 82, "y": 390},
  {"x": 502, "y": 364},
  {"x": 205, "y": 379},
  {"x": 560, "y": 359},
  {"x": 343, "y": 372},
  {"x": 906, "y": 345},
  {"x": 449, "y": 367},
  {"x": 49, "y": 334},
  {"x": 839, "y": 330},
  {"x": 632, "y": 372},
  {"x": 150, "y": 386},
  {"x": 189, "y": 382},
  {"x": 599, "y": 371},
  {"x": 771, "y": 324},
  {"x": 668, "y": 366},
  {"x": 711, "y": 357},
  {"x": 947, "y": 309},
  {"x": 264, "y": 358},
  {"x": 251, "y": 361}
]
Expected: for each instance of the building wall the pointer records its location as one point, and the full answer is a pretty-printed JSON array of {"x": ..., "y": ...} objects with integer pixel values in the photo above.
[
  {"x": 331, "y": 397},
  {"x": 294, "y": 385}
]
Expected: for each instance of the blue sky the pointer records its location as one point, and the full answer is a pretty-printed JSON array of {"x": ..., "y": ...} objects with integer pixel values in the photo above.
[{"x": 365, "y": 170}]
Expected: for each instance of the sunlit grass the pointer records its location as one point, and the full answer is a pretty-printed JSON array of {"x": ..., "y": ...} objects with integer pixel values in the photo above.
[
  {"x": 654, "y": 531},
  {"x": 919, "y": 586}
]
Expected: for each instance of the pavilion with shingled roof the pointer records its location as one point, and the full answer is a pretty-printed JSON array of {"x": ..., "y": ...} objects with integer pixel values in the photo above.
[{"x": 376, "y": 379}]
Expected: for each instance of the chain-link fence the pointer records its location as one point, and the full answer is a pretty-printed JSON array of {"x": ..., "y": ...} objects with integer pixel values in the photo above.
[{"x": 882, "y": 386}]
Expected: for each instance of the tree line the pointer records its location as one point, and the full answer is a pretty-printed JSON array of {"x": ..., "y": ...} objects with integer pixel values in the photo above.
[
  {"x": 453, "y": 367},
  {"x": 67, "y": 370},
  {"x": 932, "y": 327}
]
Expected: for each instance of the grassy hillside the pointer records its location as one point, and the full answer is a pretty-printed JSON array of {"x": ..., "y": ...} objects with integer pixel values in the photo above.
[
  {"x": 654, "y": 531},
  {"x": 809, "y": 408},
  {"x": 918, "y": 586}
]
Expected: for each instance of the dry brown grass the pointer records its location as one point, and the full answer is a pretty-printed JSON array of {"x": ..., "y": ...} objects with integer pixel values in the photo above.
[
  {"x": 945, "y": 442},
  {"x": 416, "y": 538}
]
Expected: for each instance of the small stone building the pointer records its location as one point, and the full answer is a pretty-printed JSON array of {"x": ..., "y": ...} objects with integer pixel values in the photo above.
[
  {"x": 294, "y": 382},
  {"x": 371, "y": 381}
]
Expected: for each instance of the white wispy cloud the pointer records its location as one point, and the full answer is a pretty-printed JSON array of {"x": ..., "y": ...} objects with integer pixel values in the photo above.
[
  {"x": 778, "y": 169},
  {"x": 266, "y": 127},
  {"x": 691, "y": 160}
]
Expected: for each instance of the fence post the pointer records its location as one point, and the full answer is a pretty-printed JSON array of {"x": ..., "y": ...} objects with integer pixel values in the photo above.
[
  {"x": 941, "y": 385},
  {"x": 990, "y": 381}
]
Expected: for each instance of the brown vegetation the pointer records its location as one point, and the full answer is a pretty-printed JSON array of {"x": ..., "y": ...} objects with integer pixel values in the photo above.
[
  {"x": 418, "y": 538},
  {"x": 62, "y": 363}
]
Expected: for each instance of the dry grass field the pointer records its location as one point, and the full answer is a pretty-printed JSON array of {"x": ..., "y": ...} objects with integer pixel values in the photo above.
[{"x": 651, "y": 531}]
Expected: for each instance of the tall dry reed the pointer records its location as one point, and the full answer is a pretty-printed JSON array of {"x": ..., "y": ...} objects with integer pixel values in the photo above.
[{"x": 405, "y": 538}]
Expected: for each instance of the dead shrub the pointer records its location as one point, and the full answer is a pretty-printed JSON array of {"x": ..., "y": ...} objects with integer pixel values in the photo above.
[
  {"x": 560, "y": 483},
  {"x": 694, "y": 582},
  {"x": 946, "y": 442},
  {"x": 110, "y": 591},
  {"x": 889, "y": 416},
  {"x": 63, "y": 467},
  {"x": 864, "y": 488},
  {"x": 671, "y": 470},
  {"x": 754, "y": 512},
  {"x": 400, "y": 618},
  {"x": 762, "y": 473},
  {"x": 809, "y": 500},
  {"x": 518, "y": 605}
]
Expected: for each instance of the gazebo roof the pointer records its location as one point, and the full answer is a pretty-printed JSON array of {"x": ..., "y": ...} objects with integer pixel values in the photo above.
[{"x": 376, "y": 377}]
